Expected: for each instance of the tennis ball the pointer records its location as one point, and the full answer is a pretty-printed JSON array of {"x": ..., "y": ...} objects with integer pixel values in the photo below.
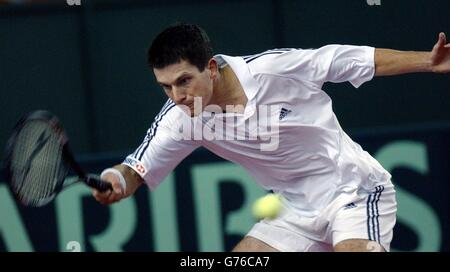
[{"x": 268, "y": 206}]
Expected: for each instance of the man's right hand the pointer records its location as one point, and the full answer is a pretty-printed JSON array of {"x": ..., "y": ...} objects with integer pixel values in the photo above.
[{"x": 132, "y": 180}]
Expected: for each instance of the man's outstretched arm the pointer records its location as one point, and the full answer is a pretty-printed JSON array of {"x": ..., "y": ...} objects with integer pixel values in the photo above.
[{"x": 392, "y": 62}]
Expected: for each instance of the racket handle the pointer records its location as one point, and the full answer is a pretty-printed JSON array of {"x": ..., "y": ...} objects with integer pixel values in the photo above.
[{"x": 97, "y": 183}]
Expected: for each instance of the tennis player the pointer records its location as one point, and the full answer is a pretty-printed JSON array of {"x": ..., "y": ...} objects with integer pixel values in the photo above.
[{"x": 268, "y": 113}]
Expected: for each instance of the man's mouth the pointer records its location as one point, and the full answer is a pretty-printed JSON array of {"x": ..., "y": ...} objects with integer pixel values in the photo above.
[{"x": 189, "y": 105}]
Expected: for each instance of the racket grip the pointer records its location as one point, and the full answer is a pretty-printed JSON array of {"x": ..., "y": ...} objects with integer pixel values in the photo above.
[{"x": 97, "y": 183}]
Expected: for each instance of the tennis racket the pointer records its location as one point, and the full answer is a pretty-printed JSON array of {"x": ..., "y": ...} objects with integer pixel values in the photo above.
[{"x": 38, "y": 160}]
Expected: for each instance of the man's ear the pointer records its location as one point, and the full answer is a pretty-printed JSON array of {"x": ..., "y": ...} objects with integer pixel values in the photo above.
[{"x": 213, "y": 68}]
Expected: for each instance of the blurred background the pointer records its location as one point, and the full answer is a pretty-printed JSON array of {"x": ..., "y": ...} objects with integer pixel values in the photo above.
[{"x": 86, "y": 62}]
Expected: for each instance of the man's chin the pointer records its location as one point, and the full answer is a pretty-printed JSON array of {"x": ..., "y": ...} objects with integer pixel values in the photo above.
[{"x": 189, "y": 112}]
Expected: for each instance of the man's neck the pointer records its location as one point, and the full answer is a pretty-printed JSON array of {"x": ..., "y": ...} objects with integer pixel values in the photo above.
[{"x": 228, "y": 91}]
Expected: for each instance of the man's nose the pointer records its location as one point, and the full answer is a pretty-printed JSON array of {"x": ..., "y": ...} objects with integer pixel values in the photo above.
[{"x": 179, "y": 96}]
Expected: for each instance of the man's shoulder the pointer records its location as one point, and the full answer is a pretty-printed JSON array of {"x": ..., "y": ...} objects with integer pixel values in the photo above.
[
  {"x": 272, "y": 62},
  {"x": 263, "y": 55},
  {"x": 170, "y": 113},
  {"x": 267, "y": 54}
]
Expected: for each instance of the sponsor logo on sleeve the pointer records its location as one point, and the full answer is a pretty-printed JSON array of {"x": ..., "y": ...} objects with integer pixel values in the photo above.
[{"x": 136, "y": 165}]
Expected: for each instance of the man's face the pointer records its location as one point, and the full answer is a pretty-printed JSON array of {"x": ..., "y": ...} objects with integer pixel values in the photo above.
[{"x": 182, "y": 82}]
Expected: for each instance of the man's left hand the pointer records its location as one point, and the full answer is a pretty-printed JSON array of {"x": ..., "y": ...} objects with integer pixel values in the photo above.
[{"x": 440, "y": 55}]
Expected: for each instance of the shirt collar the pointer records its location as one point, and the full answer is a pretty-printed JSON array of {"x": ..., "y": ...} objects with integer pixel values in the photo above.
[{"x": 248, "y": 83}]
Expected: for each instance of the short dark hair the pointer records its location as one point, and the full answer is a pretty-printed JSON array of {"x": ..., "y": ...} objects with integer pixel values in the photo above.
[{"x": 180, "y": 42}]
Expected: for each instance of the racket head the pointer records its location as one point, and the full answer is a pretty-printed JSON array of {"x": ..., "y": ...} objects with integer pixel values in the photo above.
[{"x": 35, "y": 164}]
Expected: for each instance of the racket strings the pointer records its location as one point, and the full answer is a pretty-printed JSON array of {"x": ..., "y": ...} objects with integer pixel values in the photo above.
[{"x": 37, "y": 164}]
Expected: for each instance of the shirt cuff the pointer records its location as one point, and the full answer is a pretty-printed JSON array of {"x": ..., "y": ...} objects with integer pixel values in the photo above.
[{"x": 367, "y": 62}]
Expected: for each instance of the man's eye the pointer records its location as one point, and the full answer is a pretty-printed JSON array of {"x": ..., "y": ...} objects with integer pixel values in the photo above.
[{"x": 185, "y": 81}]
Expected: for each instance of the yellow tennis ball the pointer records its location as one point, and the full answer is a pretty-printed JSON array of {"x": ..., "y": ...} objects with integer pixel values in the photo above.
[{"x": 268, "y": 206}]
